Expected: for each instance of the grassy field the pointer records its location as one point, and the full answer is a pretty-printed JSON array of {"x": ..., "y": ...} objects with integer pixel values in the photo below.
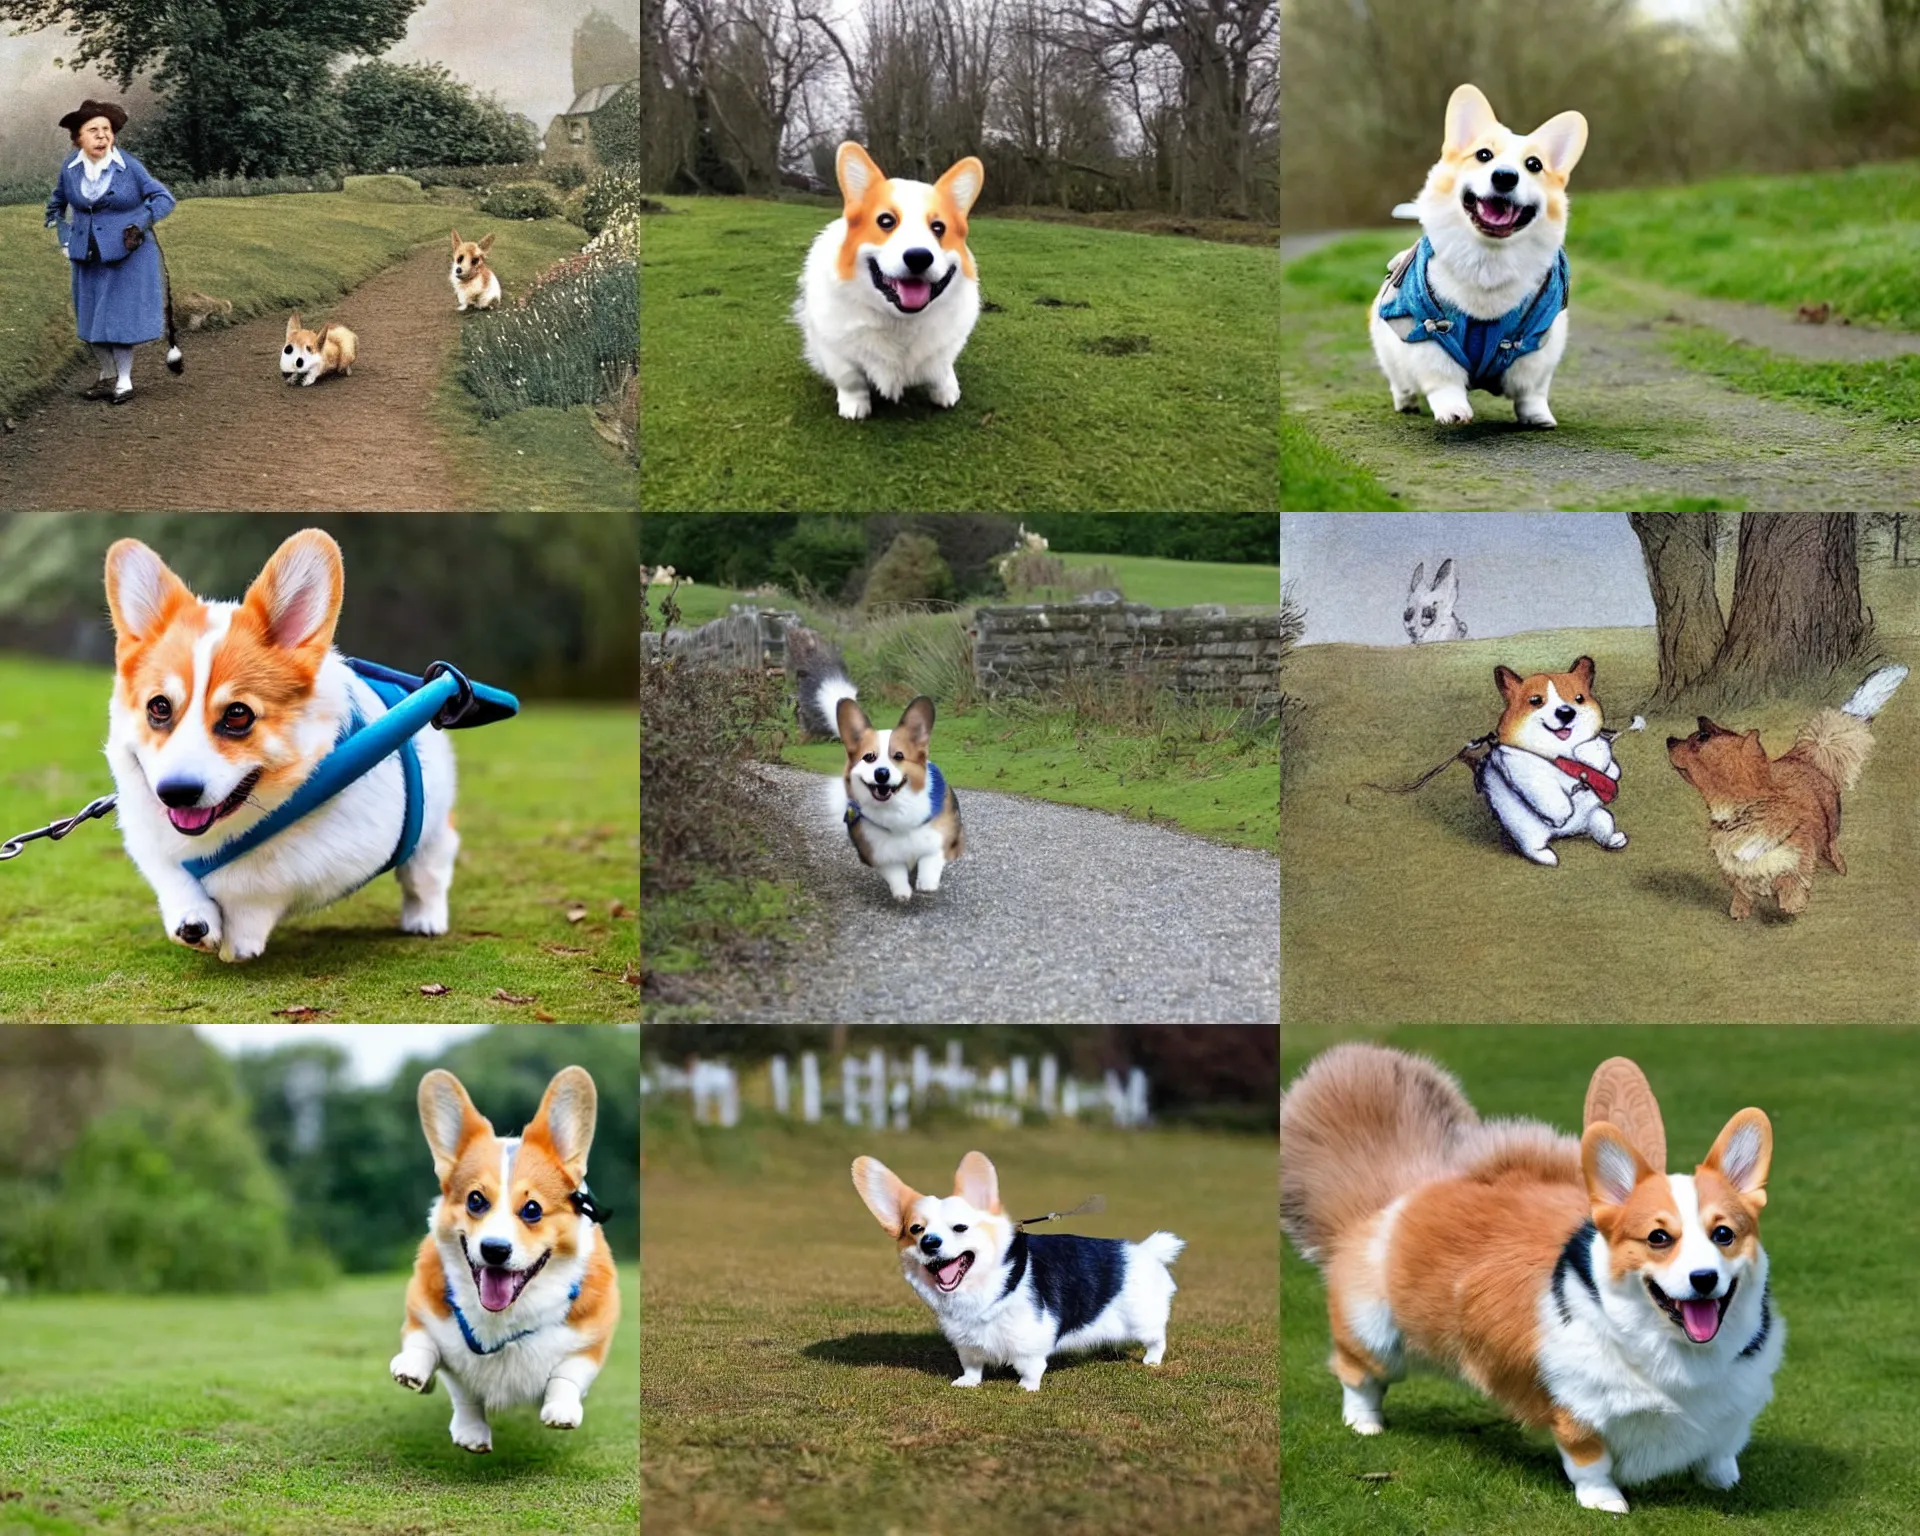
[
  {"x": 1119, "y": 371},
  {"x": 1474, "y": 933},
  {"x": 800, "y": 1386},
  {"x": 1182, "y": 583},
  {"x": 548, "y": 815},
  {"x": 1832, "y": 1456},
  {"x": 261, "y": 1415},
  {"x": 1317, "y": 478}
]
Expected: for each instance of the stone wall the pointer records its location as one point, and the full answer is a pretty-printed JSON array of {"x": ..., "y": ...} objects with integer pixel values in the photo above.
[
  {"x": 1203, "y": 653},
  {"x": 744, "y": 639}
]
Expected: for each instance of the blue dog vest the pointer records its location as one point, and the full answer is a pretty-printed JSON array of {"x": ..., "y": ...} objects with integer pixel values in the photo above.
[{"x": 1485, "y": 348}]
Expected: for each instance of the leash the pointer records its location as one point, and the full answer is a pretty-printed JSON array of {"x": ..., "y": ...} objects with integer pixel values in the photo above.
[
  {"x": 175, "y": 362},
  {"x": 1472, "y": 754},
  {"x": 1092, "y": 1205},
  {"x": 13, "y": 847}
]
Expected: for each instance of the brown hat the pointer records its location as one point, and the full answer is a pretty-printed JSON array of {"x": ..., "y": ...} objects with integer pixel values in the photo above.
[{"x": 87, "y": 111}]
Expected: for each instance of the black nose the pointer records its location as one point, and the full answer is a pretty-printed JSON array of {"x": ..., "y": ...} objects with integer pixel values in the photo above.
[
  {"x": 918, "y": 259},
  {"x": 930, "y": 1243},
  {"x": 1704, "y": 1280},
  {"x": 495, "y": 1250},
  {"x": 881, "y": 775},
  {"x": 179, "y": 794},
  {"x": 1564, "y": 714},
  {"x": 1505, "y": 181}
]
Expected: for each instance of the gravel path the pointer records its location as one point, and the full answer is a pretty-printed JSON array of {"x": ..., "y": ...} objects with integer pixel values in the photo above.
[{"x": 1055, "y": 915}]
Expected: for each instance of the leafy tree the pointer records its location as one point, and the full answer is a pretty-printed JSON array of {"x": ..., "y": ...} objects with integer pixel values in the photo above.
[
  {"x": 911, "y": 571},
  {"x": 399, "y": 115},
  {"x": 604, "y": 53},
  {"x": 616, "y": 129},
  {"x": 823, "y": 552}
]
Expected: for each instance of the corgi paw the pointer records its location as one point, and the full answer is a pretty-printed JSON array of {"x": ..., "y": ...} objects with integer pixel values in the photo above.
[
  {"x": 967, "y": 1379},
  {"x": 199, "y": 929},
  {"x": 1542, "y": 856},
  {"x": 474, "y": 1435},
  {"x": 1602, "y": 1496},
  {"x": 945, "y": 393},
  {"x": 855, "y": 404},
  {"x": 1450, "y": 407},
  {"x": 1030, "y": 1386},
  {"x": 1618, "y": 840},
  {"x": 427, "y": 918},
  {"x": 1405, "y": 401},
  {"x": 563, "y": 1408},
  {"x": 1539, "y": 420},
  {"x": 1366, "y": 1425},
  {"x": 414, "y": 1372},
  {"x": 1722, "y": 1472}
]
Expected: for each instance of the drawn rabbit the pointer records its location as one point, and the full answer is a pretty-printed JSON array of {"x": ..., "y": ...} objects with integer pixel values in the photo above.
[{"x": 1429, "y": 615}]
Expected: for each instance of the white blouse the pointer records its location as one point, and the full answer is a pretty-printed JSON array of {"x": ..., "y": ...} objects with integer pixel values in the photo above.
[{"x": 96, "y": 174}]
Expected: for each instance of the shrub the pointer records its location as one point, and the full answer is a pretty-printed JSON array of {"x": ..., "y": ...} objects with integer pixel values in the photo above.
[
  {"x": 521, "y": 200},
  {"x": 403, "y": 114},
  {"x": 474, "y": 177},
  {"x": 384, "y": 189},
  {"x": 612, "y": 196},
  {"x": 568, "y": 341},
  {"x": 1030, "y": 573},
  {"x": 971, "y": 543},
  {"x": 911, "y": 571},
  {"x": 822, "y": 553},
  {"x": 912, "y": 653},
  {"x": 566, "y": 175}
]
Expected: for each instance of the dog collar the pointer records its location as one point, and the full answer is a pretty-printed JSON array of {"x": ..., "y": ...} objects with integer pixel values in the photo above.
[
  {"x": 1485, "y": 348},
  {"x": 937, "y": 799},
  {"x": 1606, "y": 788},
  {"x": 474, "y": 1344}
]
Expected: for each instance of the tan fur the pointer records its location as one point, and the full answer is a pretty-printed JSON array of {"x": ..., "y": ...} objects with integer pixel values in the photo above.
[
  {"x": 473, "y": 280},
  {"x": 337, "y": 346},
  {"x": 1524, "y": 695}
]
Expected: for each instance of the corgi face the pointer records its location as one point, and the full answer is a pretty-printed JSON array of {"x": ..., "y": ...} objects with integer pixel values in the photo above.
[
  {"x": 303, "y": 352},
  {"x": 1682, "y": 1245},
  {"x": 214, "y": 699},
  {"x": 469, "y": 256},
  {"x": 1549, "y": 713},
  {"x": 505, "y": 1210},
  {"x": 1727, "y": 767},
  {"x": 882, "y": 764},
  {"x": 905, "y": 240},
  {"x": 943, "y": 1243},
  {"x": 1497, "y": 185}
]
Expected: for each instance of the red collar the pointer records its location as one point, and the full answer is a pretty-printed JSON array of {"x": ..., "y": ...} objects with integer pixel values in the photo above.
[{"x": 1593, "y": 778}]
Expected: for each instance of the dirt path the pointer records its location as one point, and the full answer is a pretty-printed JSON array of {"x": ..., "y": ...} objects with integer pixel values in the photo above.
[
  {"x": 1761, "y": 325},
  {"x": 226, "y": 435}
]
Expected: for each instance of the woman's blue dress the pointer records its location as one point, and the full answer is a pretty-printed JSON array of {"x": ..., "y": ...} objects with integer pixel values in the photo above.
[{"x": 119, "y": 296}]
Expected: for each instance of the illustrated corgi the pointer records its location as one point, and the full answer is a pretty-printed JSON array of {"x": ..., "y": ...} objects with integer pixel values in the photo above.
[
  {"x": 899, "y": 811},
  {"x": 513, "y": 1297},
  {"x": 1481, "y": 301},
  {"x": 1004, "y": 1298},
  {"x": 309, "y": 356},
  {"x": 889, "y": 293},
  {"x": 1576, "y": 1283},
  {"x": 1429, "y": 614},
  {"x": 1775, "y": 822},
  {"x": 1551, "y": 772},
  {"x": 475, "y": 284},
  {"x": 220, "y": 713}
]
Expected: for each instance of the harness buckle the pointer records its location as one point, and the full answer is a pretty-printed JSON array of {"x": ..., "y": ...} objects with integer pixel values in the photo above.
[{"x": 460, "y": 705}]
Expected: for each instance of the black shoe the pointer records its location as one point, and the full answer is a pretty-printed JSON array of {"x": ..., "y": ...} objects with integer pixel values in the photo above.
[
  {"x": 122, "y": 396},
  {"x": 99, "y": 389}
]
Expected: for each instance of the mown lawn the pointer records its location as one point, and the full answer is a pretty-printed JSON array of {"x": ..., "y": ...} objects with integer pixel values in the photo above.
[
  {"x": 210, "y": 1415},
  {"x": 1119, "y": 372},
  {"x": 1412, "y": 909},
  {"x": 1183, "y": 583},
  {"x": 798, "y": 1385},
  {"x": 1834, "y": 1453},
  {"x": 548, "y": 815}
]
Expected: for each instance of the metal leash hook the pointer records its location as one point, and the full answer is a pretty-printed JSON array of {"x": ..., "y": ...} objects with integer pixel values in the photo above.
[{"x": 54, "y": 831}]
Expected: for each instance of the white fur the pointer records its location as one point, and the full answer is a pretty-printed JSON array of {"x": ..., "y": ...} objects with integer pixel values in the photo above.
[
  {"x": 909, "y": 850},
  {"x": 1872, "y": 695},
  {"x": 854, "y": 337},
  {"x": 1536, "y": 802},
  {"x": 486, "y": 298},
  {"x": 1429, "y": 616}
]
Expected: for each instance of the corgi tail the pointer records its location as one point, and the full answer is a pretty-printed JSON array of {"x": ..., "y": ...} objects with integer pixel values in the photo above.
[
  {"x": 1161, "y": 1247},
  {"x": 1837, "y": 743},
  {"x": 820, "y": 681},
  {"x": 1872, "y": 695},
  {"x": 1359, "y": 1128}
]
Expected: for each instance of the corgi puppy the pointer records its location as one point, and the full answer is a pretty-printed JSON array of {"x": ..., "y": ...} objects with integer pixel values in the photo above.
[
  {"x": 889, "y": 293},
  {"x": 1004, "y": 1298},
  {"x": 1578, "y": 1284},
  {"x": 1774, "y": 822},
  {"x": 220, "y": 712},
  {"x": 1481, "y": 301},
  {"x": 513, "y": 1297},
  {"x": 1551, "y": 772},
  {"x": 309, "y": 356},
  {"x": 475, "y": 285}
]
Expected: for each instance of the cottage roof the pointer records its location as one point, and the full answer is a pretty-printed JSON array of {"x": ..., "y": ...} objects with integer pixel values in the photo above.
[{"x": 593, "y": 100}]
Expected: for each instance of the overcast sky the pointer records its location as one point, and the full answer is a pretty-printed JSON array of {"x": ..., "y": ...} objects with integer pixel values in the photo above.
[
  {"x": 1518, "y": 571},
  {"x": 375, "y": 1051}
]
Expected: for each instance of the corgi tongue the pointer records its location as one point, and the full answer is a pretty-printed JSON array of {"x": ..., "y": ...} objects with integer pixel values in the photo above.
[
  {"x": 192, "y": 818},
  {"x": 1498, "y": 211},
  {"x": 914, "y": 293},
  {"x": 1702, "y": 1319},
  {"x": 496, "y": 1289}
]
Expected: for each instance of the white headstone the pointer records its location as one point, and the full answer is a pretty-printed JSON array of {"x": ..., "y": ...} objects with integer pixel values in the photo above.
[
  {"x": 777, "y": 1069},
  {"x": 1136, "y": 1097},
  {"x": 877, "y": 1088},
  {"x": 1049, "y": 1084},
  {"x": 1019, "y": 1079},
  {"x": 922, "y": 1071},
  {"x": 809, "y": 1088},
  {"x": 850, "y": 1090}
]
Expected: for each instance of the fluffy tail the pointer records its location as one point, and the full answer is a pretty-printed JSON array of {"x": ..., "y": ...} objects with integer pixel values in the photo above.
[
  {"x": 1162, "y": 1246},
  {"x": 820, "y": 681},
  {"x": 1838, "y": 741},
  {"x": 1359, "y": 1128},
  {"x": 1872, "y": 695}
]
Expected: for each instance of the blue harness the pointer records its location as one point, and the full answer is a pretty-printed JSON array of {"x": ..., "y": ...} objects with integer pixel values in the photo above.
[
  {"x": 466, "y": 1328},
  {"x": 444, "y": 698},
  {"x": 1485, "y": 348},
  {"x": 936, "y": 786}
]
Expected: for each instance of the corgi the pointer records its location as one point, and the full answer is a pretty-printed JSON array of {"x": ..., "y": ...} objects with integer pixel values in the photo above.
[
  {"x": 1576, "y": 1283},
  {"x": 475, "y": 285},
  {"x": 889, "y": 293},
  {"x": 513, "y": 1297},
  {"x": 1004, "y": 1298},
  {"x": 220, "y": 711},
  {"x": 309, "y": 356},
  {"x": 1550, "y": 772},
  {"x": 1775, "y": 822},
  {"x": 1481, "y": 301}
]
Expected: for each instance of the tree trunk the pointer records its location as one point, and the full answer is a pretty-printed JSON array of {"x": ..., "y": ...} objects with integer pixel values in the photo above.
[
  {"x": 1797, "y": 617},
  {"x": 1678, "y": 547}
]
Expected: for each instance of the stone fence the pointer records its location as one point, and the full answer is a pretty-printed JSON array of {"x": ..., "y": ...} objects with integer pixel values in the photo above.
[{"x": 755, "y": 638}]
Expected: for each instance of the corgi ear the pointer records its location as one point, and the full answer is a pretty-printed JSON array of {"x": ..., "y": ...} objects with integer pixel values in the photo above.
[
  {"x": 1743, "y": 1152},
  {"x": 296, "y": 599},
  {"x": 566, "y": 1117},
  {"x": 1751, "y": 748},
  {"x": 1708, "y": 726},
  {"x": 1510, "y": 683},
  {"x": 852, "y": 723},
  {"x": 890, "y": 1201},
  {"x": 456, "y": 239},
  {"x": 448, "y": 1117},
  {"x": 293, "y": 324},
  {"x": 486, "y": 244},
  {"x": 1612, "y": 1168},
  {"x": 1469, "y": 115},
  {"x": 142, "y": 593},
  {"x": 917, "y": 723},
  {"x": 962, "y": 183},
  {"x": 1561, "y": 141},
  {"x": 1620, "y": 1094},
  {"x": 1582, "y": 670},
  {"x": 975, "y": 1182},
  {"x": 858, "y": 174}
]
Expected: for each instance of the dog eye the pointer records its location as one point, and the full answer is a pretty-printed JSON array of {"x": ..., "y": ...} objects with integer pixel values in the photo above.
[
  {"x": 1704, "y": 736},
  {"x": 871, "y": 757},
  {"x": 1579, "y": 698},
  {"x": 477, "y": 1203},
  {"x": 916, "y": 1229},
  {"x": 288, "y": 349},
  {"x": 1723, "y": 1235},
  {"x": 939, "y": 228},
  {"x": 886, "y": 221},
  {"x": 237, "y": 720},
  {"x": 1659, "y": 1239},
  {"x": 1536, "y": 700},
  {"x": 959, "y": 1227},
  {"x": 530, "y": 1212},
  {"x": 1533, "y": 164},
  {"x": 899, "y": 757},
  {"x": 1483, "y": 155},
  {"x": 159, "y": 710}
]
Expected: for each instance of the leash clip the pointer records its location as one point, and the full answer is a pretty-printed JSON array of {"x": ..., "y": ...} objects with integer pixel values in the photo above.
[
  {"x": 582, "y": 1202},
  {"x": 13, "y": 847},
  {"x": 460, "y": 705}
]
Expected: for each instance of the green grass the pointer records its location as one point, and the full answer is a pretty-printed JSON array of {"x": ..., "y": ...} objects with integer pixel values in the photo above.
[
  {"x": 1183, "y": 583},
  {"x": 218, "y": 1416},
  {"x": 1469, "y": 931},
  {"x": 1888, "y": 390},
  {"x": 1834, "y": 1453},
  {"x": 1313, "y": 478},
  {"x": 1048, "y": 419},
  {"x": 691, "y": 930},
  {"x": 812, "y": 1394},
  {"x": 548, "y": 815},
  {"x": 701, "y": 602}
]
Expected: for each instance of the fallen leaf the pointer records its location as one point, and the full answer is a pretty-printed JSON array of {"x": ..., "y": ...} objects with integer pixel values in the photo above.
[
  {"x": 618, "y": 909},
  {"x": 1373, "y": 1477},
  {"x": 299, "y": 1011},
  {"x": 433, "y": 989},
  {"x": 576, "y": 911},
  {"x": 542, "y": 1018},
  {"x": 566, "y": 949},
  {"x": 632, "y": 978},
  {"x": 502, "y": 995}
]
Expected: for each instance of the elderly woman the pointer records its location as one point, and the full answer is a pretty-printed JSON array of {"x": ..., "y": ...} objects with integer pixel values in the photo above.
[{"x": 102, "y": 209}]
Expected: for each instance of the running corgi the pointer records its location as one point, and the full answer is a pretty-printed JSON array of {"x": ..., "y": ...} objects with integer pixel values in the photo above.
[
  {"x": 309, "y": 356},
  {"x": 475, "y": 284}
]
